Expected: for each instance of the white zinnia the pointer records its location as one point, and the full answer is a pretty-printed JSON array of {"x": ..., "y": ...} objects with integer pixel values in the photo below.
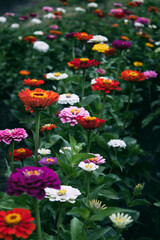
[
  {"x": 138, "y": 1},
  {"x": 3, "y": 19},
  {"x": 152, "y": 26},
  {"x": 65, "y": 194},
  {"x": 56, "y": 76},
  {"x": 97, "y": 38},
  {"x": 89, "y": 167},
  {"x": 68, "y": 98},
  {"x": 137, "y": 24},
  {"x": 116, "y": 143},
  {"x": 79, "y": 9},
  {"x": 38, "y": 33},
  {"x": 120, "y": 220},
  {"x": 14, "y": 25},
  {"x": 92, "y": 5},
  {"x": 49, "y": 15},
  {"x": 157, "y": 43},
  {"x": 36, "y": 21},
  {"x": 59, "y": 9},
  {"x": 65, "y": 148},
  {"x": 44, "y": 151},
  {"x": 41, "y": 46}
]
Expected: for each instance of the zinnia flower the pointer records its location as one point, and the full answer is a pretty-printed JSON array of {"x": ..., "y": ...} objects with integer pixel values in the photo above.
[
  {"x": 48, "y": 127},
  {"x": 65, "y": 194},
  {"x": 33, "y": 82},
  {"x": 3, "y": 19},
  {"x": 101, "y": 71},
  {"x": 14, "y": 25},
  {"x": 116, "y": 143},
  {"x": 83, "y": 36},
  {"x": 90, "y": 123},
  {"x": 44, "y": 151},
  {"x": 132, "y": 76},
  {"x": 92, "y": 5},
  {"x": 56, "y": 76},
  {"x": 38, "y": 98},
  {"x": 82, "y": 63},
  {"x": 89, "y": 167},
  {"x": 149, "y": 45},
  {"x": 68, "y": 98},
  {"x": 97, "y": 38},
  {"x": 110, "y": 52},
  {"x": 150, "y": 74},
  {"x": 16, "y": 134},
  {"x": 48, "y": 161},
  {"x": 143, "y": 20},
  {"x": 138, "y": 64},
  {"x": 36, "y": 21},
  {"x": 98, "y": 159},
  {"x": 120, "y": 220},
  {"x": 40, "y": 33},
  {"x": 153, "y": 9},
  {"x": 121, "y": 44},
  {"x": 32, "y": 181},
  {"x": 41, "y": 46},
  {"x": 104, "y": 84},
  {"x": 24, "y": 72},
  {"x": 31, "y": 39},
  {"x": 16, "y": 222},
  {"x": 70, "y": 115},
  {"x": 47, "y": 9},
  {"x": 21, "y": 153},
  {"x": 100, "y": 47}
]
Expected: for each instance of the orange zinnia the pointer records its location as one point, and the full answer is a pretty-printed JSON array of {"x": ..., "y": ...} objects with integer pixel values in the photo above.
[
  {"x": 38, "y": 98},
  {"x": 132, "y": 76},
  {"x": 24, "y": 72},
  {"x": 33, "y": 82},
  {"x": 125, "y": 38},
  {"x": 83, "y": 36},
  {"x": 55, "y": 32},
  {"x": 153, "y": 9}
]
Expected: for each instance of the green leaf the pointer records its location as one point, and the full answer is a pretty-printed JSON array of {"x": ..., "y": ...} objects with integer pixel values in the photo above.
[
  {"x": 126, "y": 194},
  {"x": 110, "y": 179},
  {"x": 83, "y": 212},
  {"x": 94, "y": 193},
  {"x": 77, "y": 230},
  {"x": 89, "y": 99},
  {"x": 96, "y": 234},
  {"x": 157, "y": 204},
  {"x": 77, "y": 158},
  {"x": 68, "y": 169},
  {"x": 137, "y": 202},
  {"x": 110, "y": 193}
]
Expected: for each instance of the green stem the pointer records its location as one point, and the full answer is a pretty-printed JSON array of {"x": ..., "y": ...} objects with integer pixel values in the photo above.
[
  {"x": 37, "y": 123},
  {"x": 111, "y": 168},
  {"x": 73, "y": 52},
  {"x": 103, "y": 104},
  {"x": 89, "y": 133},
  {"x": 59, "y": 220},
  {"x": 118, "y": 67},
  {"x": 12, "y": 155},
  {"x": 83, "y": 84},
  {"x": 88, "y": 183},
  {"x": 38, "y": 220}
]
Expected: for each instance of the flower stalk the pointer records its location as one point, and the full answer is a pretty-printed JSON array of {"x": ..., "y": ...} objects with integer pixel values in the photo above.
[
  {"x": 83, "y": 84},
  {"x": 59, "y": 220},
  {"x": 37, "y": 123},
  {"x": 12, "y": 155},
  {"x": 89, "y": 138},
  {"x": 38, "y": 220}
]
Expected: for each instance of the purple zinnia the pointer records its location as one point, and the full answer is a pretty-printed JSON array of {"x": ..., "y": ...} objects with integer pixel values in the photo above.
[
  {"x": 51, "y": 37},
  {"x": 23, "y": 18},
  {"x": 98, "y": 159},
  {"x": 16, "y": 134},
  {"x": 33, "y": 15},
  {"x": 70, "y": 35},
  {"x": 54, "y": 27},
  {"x": 150, "y": 74},
  {"x": 143, "y": 20},
  {"x": 32, "y": 181},
  {"x": 48, "y": 161},
  {"x": 121, "y": 44},
  {"x": 101, "y": 71}
]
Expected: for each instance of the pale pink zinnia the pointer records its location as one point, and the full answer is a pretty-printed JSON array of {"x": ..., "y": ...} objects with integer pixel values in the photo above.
[
  {"x": 98, "y": 159},
  {"x": 150, "y": 74},
  {"x": 16, "y": 134},
  {"x": 69, "y": 115},
  {"x": 47, "y": 9}
]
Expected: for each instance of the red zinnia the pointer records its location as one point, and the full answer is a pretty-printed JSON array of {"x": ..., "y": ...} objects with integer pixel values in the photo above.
[
  {"x": 31, "y": 39},
  {"x": 21, "y": 153},
  {"x": 82, "y": 63},
  {"x": 83, "y": 36},
  {"x": 132, "y": 76},
  {"x": 90, "y": 123},
  {"x": 104, "y": 84},
  {"x": 132, "y": 4},
  {"x": 119, "y": 15},
  {"x": 33, "y": 82},
  {"x": 17, "y": 222},
  {"x": 153, "y": 9},
  {"x": 110, "y": 52},
  {"x": 132, "y": 17},
  {"x": 48, "y": 127}
]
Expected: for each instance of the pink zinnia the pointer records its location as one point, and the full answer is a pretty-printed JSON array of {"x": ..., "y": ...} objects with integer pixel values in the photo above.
[
  {"x": 9, "y": 14},
  {"x": 69, "y": 115},
  {"x": 116, "y": 10},
  {"x": 54, "y": 27},
  {"x": 47, "y": 9},
  {"x": 16, "y": 134},
  {"x": 150, "y": 74},
  {"x": 98, "y": 159}
]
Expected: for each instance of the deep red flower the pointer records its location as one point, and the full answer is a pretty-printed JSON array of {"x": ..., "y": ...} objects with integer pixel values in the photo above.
[
  {"x": 47, "y": 127},
  {"x": 132, "y": 17},
  {"x": 83, "y": 36},
  {"x": 132, "y": 76},
  {"x": 110, "y": 52},
  {"x": 119, "y": 15},
  {"x": 99, "y": 13},
  {"x": 82, "y": 63},
  {"x": 153, "y": 9},
  {"x": 17, "y": 222},
  {"x": 104, "y": 84},
  {"x": 90, "y": 123},
  {"x": 33, "y": 82},
  {"x": 21, "y": 153},
  {"x": 132, "y": 4},
  {"x": 31, "y": 39}
]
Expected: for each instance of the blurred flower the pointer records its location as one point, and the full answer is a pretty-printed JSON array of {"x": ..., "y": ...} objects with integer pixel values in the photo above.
[
  {"x": 138, "y": 64},
  {"x": 83, "y": 36},
  {"x": 16, "y": 134},
  {"x": 116, "y": 143},
  {"x": 22, "y": 18},
  {"x": 44, "y": 151},
  {"x": 143, "y": 20},
  {"x": 59, "y": 9},
  {"x": 68, "y": 98},
  {"x": 132, "y": 17},
  {"x": 97, "y": 205},
  {"x": 117, "y": 4},
  {"x": 80, "y": 9},
  {"x": 38, "y": 98},
  {"x": 41, "y": 46},
  {"x": 49, "y": 16},
  {"x": 33, "y": 15},
  {"x": 48, "y": 161},
  {"x": 90, "y": 123},
  {"x": 152, "y": 26},
  {"x": 157, "y": 43},
  {"x": 98, "y": 159},
  {"x": 24, "y": 72},
  {"x": 31, "y": 39},
  {"x": 51, "y": 37},
  {"x": 38, "y": 33},
  {"x": 119, "y": 15},
  {"x": 153, "y": 9},
  {"x": 14, "y": 25},
  {"x": 36, "y": 21},
  {"x": 89, "y": 167},
  {"x": 70, "y": 35},
  {"x": 97, "y": 38},
  {"x": 120, "y": 220},
  {"x": 21, "y": 153},
  {"x": 3, "y": 19},
  {"x": 101, "y": 71},
  {"x": 64, "y": 148},
  {"x": 33, "y": 82},
  {"x": 99, "y": 13},
  {"x": 132, "y": 4},
  {"x": 54, "y": 27},
  {"x": 100, "y": 47},
  {"x": 116, "y": 10},
  {"x": 9, "y": 14},
  {"x": 55, "y": 32},
  {"x": 137, "y": 24},
  {"x": 65, "y": 194},
  {"x": 104, "y": 84},
  {"x": 32, "y": 181},
  {"x": 82, "y": 63},
  {"x": 110, "y": 52},
  {"x": 157, "y": 50},
  {"x": 70, "y": 115},
  {"x": 92, "y": 5},
  {"x": 132, "y": 76},
  {"x": 47, "y": 9},
  {"x": 121, "y": 44},
  {"x": 149, "y": 45},
  {"x": 56, "y": 76},
  {"x": 16, "y": 223},
  {"x": 48, "y": 127},
  {"x": 143, "y": 34},
  {"x": 125, "y": 38},
  {"x": 150, "y": 74}
]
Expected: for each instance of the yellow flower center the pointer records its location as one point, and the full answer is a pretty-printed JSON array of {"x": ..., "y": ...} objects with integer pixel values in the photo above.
[
  {"x": 90, "y": 118},
  {"x": 74, "y": 110},
  {"x": 50, "y": 160},
  {"x": 84, "y": 59},
  {"x": 47, "y": 125},
  {"x": 107, "y": 81},
  {"x": 88, "y": 166},
  {"x": 33, "y": 80},
  {"x": 84, "y": 34},
  {"x": 68, "y": 95},
  {"x": 57, "y": 74},
  {"x": 38, "y": 95},
  {"x": 13, "y": 218},
  {"x": 133, "y": 74},
  {"x": 62, "y": 192},
  {"x": 21, "y": 150},
  {"x": 93, "y": 159},
  {"x": 119, "y": 220}
]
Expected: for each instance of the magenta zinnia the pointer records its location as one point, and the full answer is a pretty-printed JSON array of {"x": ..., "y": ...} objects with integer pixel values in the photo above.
[{"x": 16, "y": 134}]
